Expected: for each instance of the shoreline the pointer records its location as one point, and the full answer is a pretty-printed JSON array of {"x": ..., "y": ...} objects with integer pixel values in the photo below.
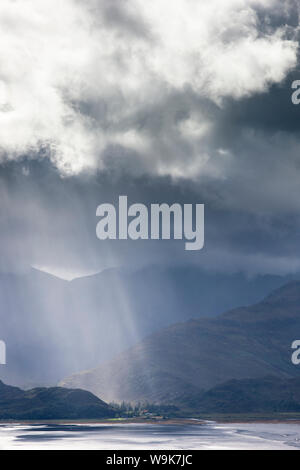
[
  {"x": 168, "y": 422},
  {"x": 171, "y": 421}
]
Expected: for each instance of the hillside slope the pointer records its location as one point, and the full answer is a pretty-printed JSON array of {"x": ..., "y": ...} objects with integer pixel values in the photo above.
[
  {"x": 53, "y": 327},
  {"x": 248, "y": 342},
  {"x": 50, "y": 403},
  {"x": 266, "y": 395}
]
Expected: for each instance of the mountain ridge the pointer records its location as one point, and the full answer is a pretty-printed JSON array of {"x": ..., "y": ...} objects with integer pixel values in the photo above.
[
  {"x": 266, "y": 395},
  {"x": 246, "y": 342},
  {"x": 53, "y": 327},
  {"x": 51, "y": 403}
]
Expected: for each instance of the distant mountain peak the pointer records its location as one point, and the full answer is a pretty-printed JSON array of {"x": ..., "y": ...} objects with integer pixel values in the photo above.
[
  {"x": 244, "y": 343},
  {"x": 289, "y": 292},
  {"x": 54, "y": 327}
]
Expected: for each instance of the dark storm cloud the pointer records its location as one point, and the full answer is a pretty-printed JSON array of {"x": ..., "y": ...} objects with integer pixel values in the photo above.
[
  {"x": 118, "y": 110},
  {"x": 50, "y": 222},
  {"x": 283, "y": 13},
  {"x": 107, "y": 62}
]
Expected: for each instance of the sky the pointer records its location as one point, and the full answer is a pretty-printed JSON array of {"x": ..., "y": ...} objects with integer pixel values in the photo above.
[{"x": 185, "y": 101}]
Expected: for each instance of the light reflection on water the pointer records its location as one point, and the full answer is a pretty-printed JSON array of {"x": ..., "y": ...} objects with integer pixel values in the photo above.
[{"x": 114, "y": 436}]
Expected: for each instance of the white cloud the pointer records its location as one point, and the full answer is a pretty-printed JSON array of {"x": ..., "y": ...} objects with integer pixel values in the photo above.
[
  {"x": 216, "y": 48},
  {"x": 121, "y": 57}
]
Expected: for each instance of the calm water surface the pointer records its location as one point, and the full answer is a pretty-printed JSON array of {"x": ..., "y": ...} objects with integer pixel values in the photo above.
[{"x": 116, "y": 436}]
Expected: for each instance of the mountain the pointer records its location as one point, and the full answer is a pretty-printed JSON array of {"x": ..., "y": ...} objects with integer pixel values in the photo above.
[
  {"x": 189, "y": 357},
  {"x": 266, "y": 395},
  {"x": 53, "y": 327},
  {"x": 50, "y": 403}
]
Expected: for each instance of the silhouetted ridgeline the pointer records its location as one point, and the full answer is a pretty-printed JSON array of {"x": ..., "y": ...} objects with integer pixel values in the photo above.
[
  {"x": 51, "y": 403},
  {"x": 53, "y": 328},
  {"x": 266, "y": 395},
  {"x": 187, "y": 358}
]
